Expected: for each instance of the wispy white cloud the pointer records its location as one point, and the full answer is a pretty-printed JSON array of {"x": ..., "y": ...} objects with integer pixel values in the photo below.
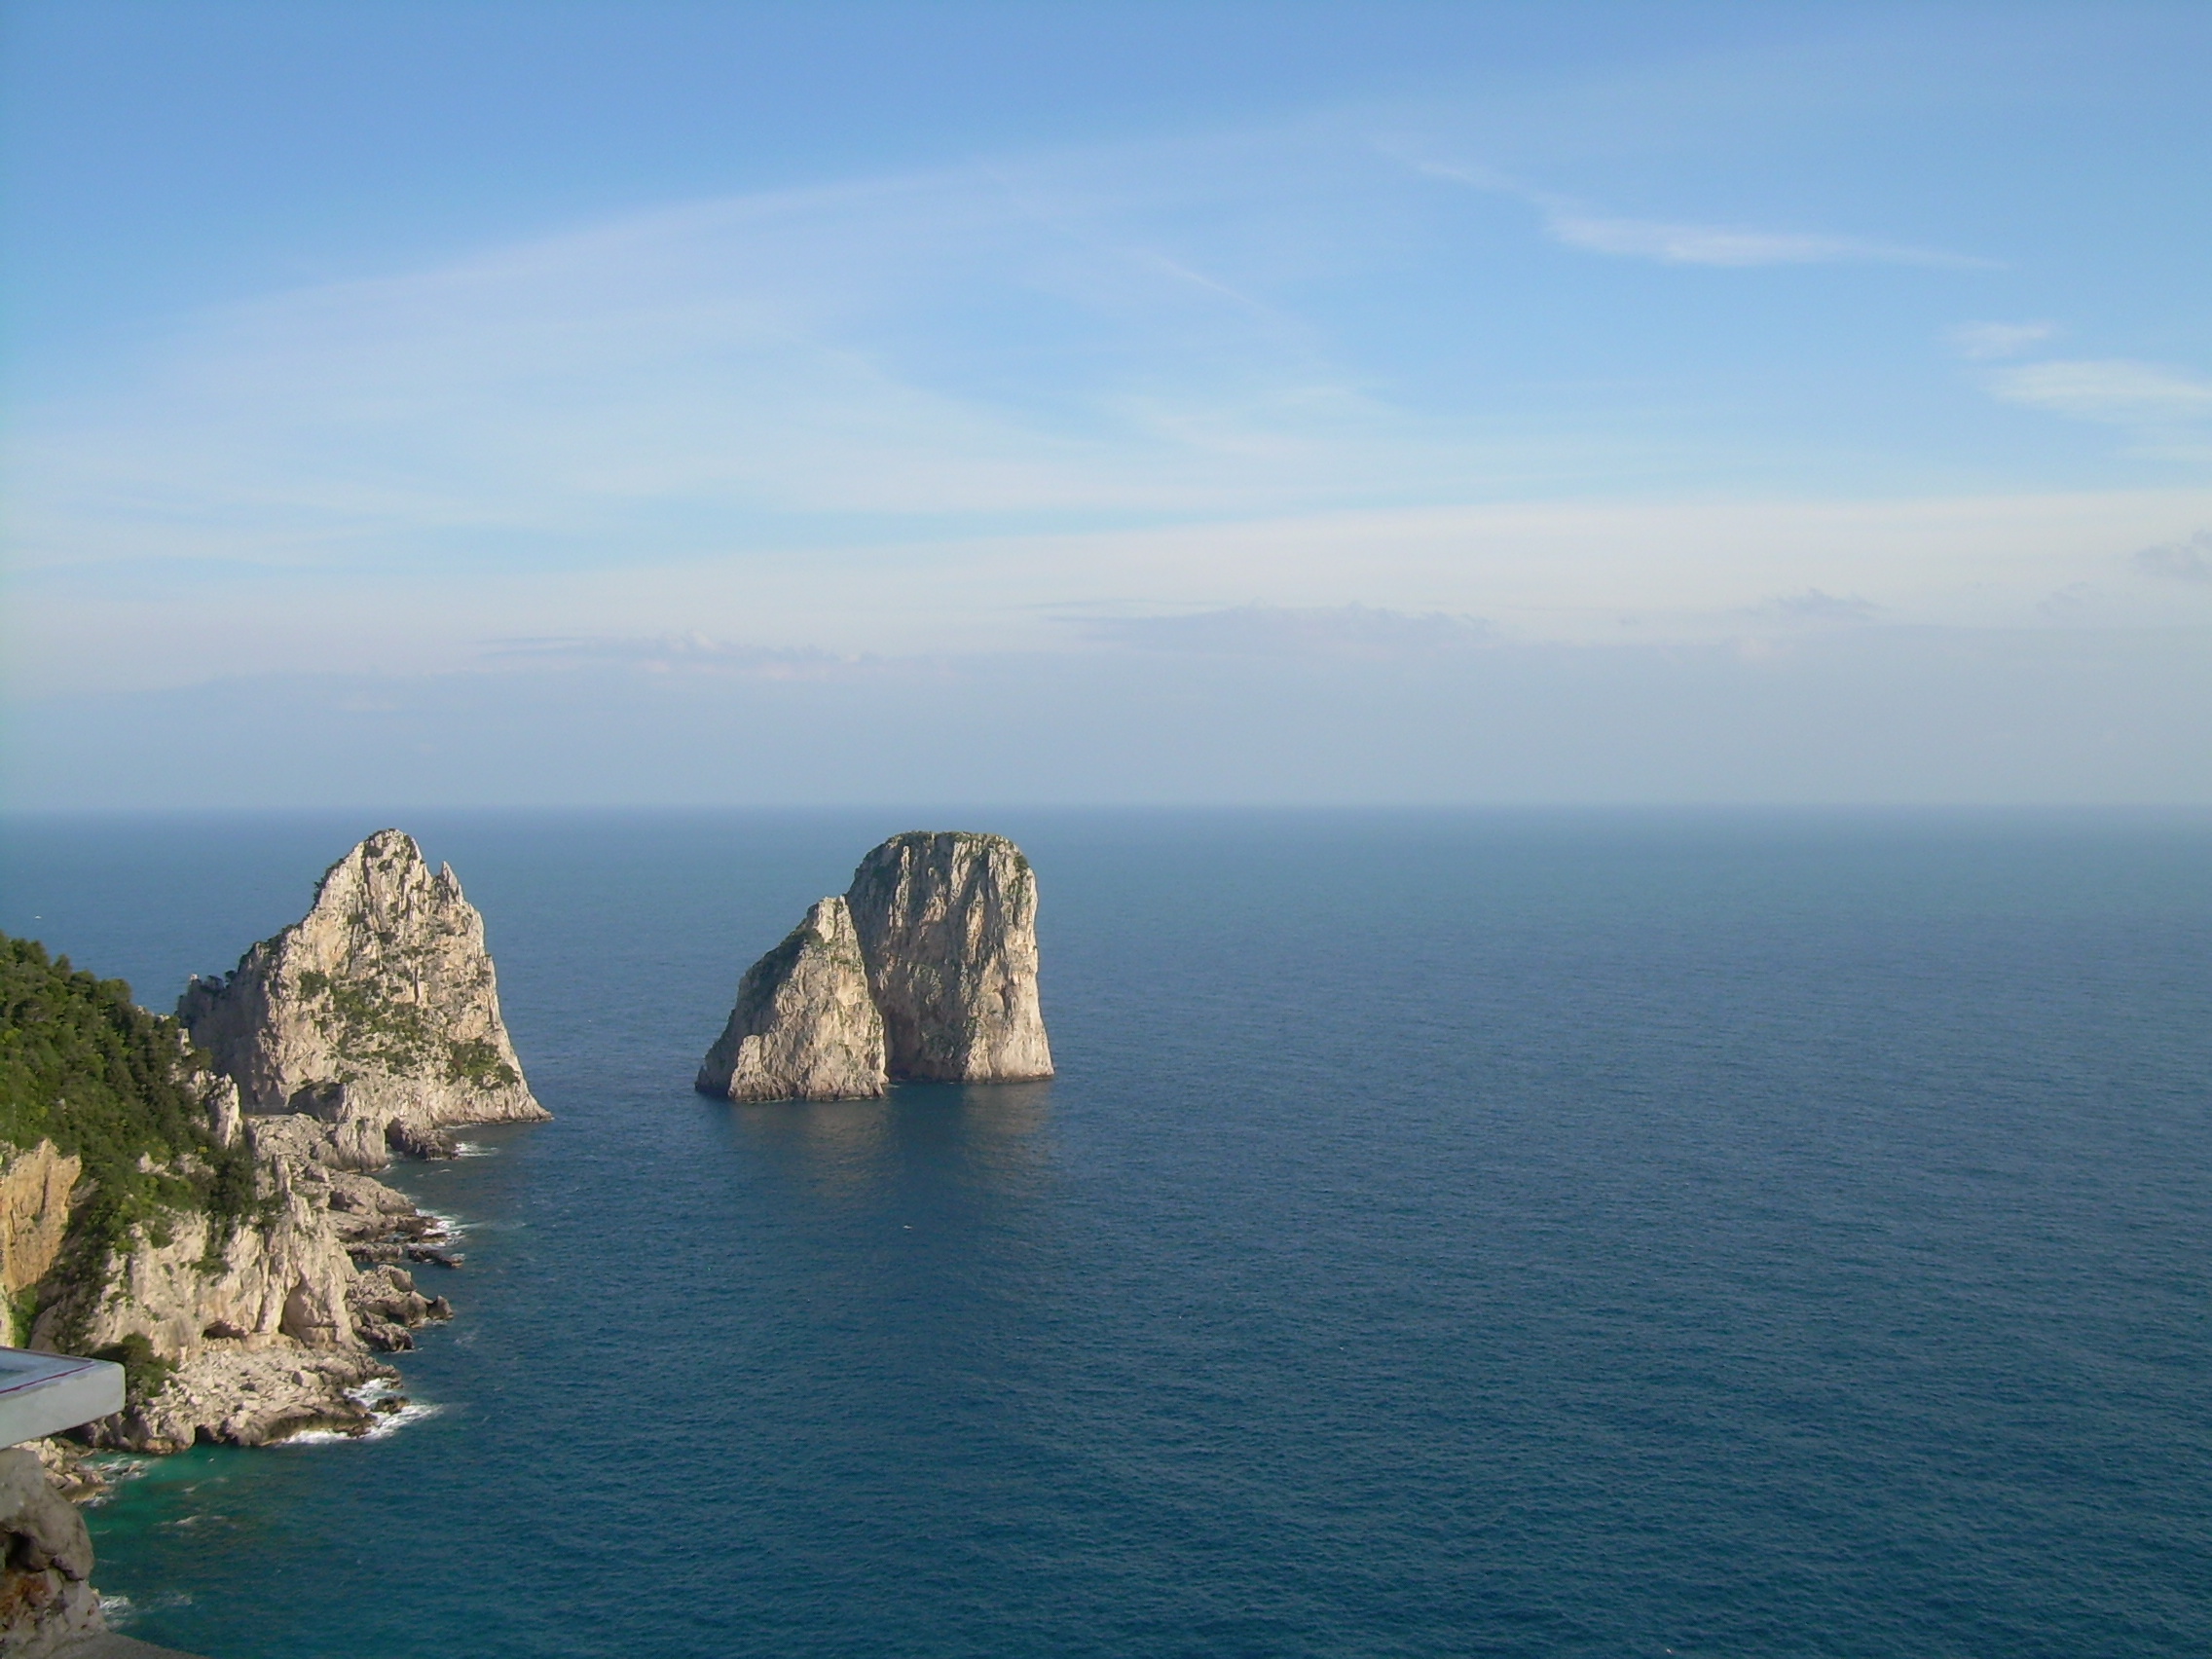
[
  {"x": 1310, "y": 631},
  {"x": 1053, "y": 337},
  {"x": 1986, "y": 341},
  {"x": 2112, "y": 389},
  {"x": 938, "y": 410},
  {"x": 1676, "y": 244},
  {"x": 1587, "y": 572},
  {"x": 1671, "y": 241},
  {"x": 1814, "y": 605}
]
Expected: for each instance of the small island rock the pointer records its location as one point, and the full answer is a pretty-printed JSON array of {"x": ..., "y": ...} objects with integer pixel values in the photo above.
[{"x": 804, "y": 1027}]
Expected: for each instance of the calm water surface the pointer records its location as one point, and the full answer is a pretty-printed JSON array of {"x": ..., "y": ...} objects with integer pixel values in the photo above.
[{"x": 1513, "y": 1234}]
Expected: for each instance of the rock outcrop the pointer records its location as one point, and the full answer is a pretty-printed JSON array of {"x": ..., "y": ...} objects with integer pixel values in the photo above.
[
  {"x": 35, "y": 1189},
  {"x": 281, "y": 1275},
  {"x": 263, "y": 1334},
  {"x": 46, "y": 1600},
  {"x": 947, "y": 925},
  {"x": 377, "y": 1015},
  {"x": 804, "y": 1026},
  {"x": 242, "y": 1270}
]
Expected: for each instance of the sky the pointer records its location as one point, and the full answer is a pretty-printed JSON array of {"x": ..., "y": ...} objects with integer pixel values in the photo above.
[{"x": 476, "y": 404}]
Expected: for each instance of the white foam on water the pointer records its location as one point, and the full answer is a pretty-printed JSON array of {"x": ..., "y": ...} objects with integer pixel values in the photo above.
[
  {"x": 120, "y": 1611},
  {"x": 474, "y": 1149},
  {"x": 385, "y": 1426},
  {"x": 114, "y": 1467}
]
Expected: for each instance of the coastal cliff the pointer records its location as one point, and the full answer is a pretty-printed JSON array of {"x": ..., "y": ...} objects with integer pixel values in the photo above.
[
  {"x": 375, "y": 1014},
  {"x": 246, "y": 1331},
  {"x": 804, "y": 1026},
  {"x": 947, "y": 924},
  {"x": 246, "y": 1284},
  {"x": 926, "y": 969}
]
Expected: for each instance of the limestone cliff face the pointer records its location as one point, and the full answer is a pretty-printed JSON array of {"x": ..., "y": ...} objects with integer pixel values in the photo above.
[
  {"x": 804, "y": 1027},
  {"x": 281, "y": 1278},
  {"x": 377, "y": 1008},
  {"x": 947, "y": 925},
  {"x": 35, "y": 1190},
  {"x": 260, "y": 1334}
]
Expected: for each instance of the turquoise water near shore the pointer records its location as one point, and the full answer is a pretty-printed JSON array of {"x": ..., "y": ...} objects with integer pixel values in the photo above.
[{"x": 1512, "y": 1233}]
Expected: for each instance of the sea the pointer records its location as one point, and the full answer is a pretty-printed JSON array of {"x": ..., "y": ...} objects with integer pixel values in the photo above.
[{"x": 1519, "y": 1233}]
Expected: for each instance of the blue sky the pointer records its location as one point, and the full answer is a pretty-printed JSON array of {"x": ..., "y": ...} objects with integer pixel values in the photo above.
[{"x": 1182, "y": 402}]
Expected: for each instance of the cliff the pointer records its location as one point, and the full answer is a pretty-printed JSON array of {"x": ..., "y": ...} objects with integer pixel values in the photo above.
[
  {"x": 244, "y": 1286},
  {"x": 376, "y": 1014},
  {"x": 947, "y": 925},
  {"x": 35, "y": 1188},
  {"x": 247, "y": 1333},
  {"x": 804, "y": 1026}
]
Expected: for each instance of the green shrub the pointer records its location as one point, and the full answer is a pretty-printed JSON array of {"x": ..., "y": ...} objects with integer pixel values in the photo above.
[
  {"x": 145, "y": 1372},
  {"x": 84, "y": 1066}
]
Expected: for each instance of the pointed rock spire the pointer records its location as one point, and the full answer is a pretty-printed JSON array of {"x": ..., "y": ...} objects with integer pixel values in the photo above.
[{"x": 378, "y": 1007}]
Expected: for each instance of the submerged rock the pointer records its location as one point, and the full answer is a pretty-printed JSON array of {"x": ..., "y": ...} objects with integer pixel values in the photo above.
[
  {"x": 377, "y": 1012},
  {"x": 804, "y": 1027},
  {"x": 948, "y": 926}
]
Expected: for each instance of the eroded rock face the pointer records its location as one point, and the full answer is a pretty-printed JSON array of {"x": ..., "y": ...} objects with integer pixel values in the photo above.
[
  {"x": 45, "y": 1563},
  {"x": 379, "y": 1008},
  {"x": 948, "y": 926},
  {"x": 281, "y": 1277},
  {"x": 804, "y": 1027},
  {"x": 264, "y": 1333},
  {"x": 35, "y": 1189}
]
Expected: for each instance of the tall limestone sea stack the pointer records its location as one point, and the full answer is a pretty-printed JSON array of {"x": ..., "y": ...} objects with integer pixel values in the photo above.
[
  {"x": 948, "y": 925},
  {"x": 376, "y": 1014},
  {"x": 926, "y": 969}
]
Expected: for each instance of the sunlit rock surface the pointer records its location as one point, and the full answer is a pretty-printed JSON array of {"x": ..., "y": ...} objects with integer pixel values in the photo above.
[
  {"x": 804, "y": 1027},
  {"x": 948, "y": 926}
]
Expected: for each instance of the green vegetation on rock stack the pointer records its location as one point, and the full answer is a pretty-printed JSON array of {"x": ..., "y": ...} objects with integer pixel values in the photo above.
[{"x": 84, "y": 1066}]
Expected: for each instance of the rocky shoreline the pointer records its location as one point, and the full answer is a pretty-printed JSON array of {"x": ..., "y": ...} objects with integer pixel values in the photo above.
[{"x": 246, "y": 1367}]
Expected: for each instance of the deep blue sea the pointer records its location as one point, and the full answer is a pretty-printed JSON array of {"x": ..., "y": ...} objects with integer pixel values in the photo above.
[{"x": 1610, "y": 1234}]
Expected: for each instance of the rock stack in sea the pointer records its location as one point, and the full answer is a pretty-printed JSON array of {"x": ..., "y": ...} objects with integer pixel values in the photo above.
[
  {"x": 803, "y": 1026},
  {"x": 925, "y": 968},
  {"x": 377, "y": 1015},
  {"x": 948, "y": 925}
]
